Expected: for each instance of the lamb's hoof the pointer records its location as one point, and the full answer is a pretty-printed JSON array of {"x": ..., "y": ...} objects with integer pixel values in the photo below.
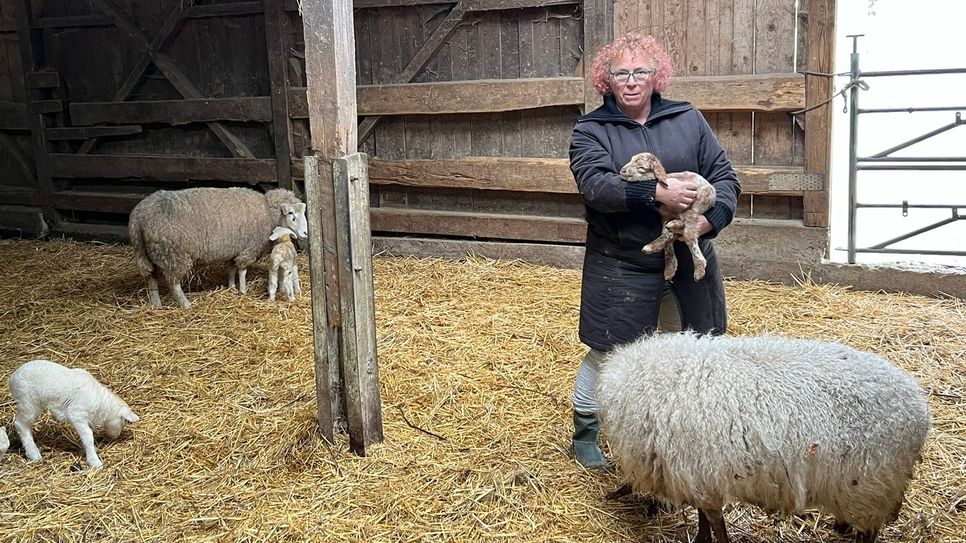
[
  {"x": 649, "y": 250},
  {"x": 698, "y": 275}
]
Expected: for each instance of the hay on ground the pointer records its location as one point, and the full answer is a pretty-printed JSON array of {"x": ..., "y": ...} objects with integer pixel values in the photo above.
[{"x": 476, "y": 359}]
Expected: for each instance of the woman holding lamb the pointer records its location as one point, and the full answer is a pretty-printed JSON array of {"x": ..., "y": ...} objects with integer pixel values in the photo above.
[{"x": 622, "y": 287}]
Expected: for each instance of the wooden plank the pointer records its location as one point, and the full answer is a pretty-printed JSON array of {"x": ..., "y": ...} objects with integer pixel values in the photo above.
[
  {"x": 818, "y": 122},
  {"x": 31, "y": 45},
  {"x": 76, "y": 21},
  {"x": 278, "y": 82},
  {"x": 13, "y": 116},
  {"x": 228, "y": 9},
  {"x": 86, "y": 132},
  {"x": 328, "y": 375},
  {"x": 769, "y": 92},
  {"x": 39, "y": 107},
  {"x": 24, "y": 164},
  {"x": 478, "y": 225},
  {"x": 174, "y": 112},
  {"x": 551, "y": 175},
  {"x": 43, "y": 80},
  {"x": 363, "y": 409},
  {"x": 477, "y": 96},
  {"x": 598, "y": 31},
  {"x": 471, "y": 5},
  {"x": 164, "y": 168}
]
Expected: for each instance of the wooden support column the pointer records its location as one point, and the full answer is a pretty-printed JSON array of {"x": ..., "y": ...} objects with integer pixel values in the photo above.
[
  {"x": 32, "y": 57},
  {"x": 598, "y": 31},
  {"x": 331, "y": 98},
  {"x": 277, "y": 68},
  {"x": 818, "y": 122}
]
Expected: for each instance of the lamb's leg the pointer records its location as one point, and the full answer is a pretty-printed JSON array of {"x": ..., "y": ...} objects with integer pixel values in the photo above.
[
  {"x": 661, "y": 242},
  {"x": 866, "y": 537},
  {"x": 711, "y": 521},
  {"x": 23, "y": 421},
  {"x": 670, "y": 262},
  {"x": 272, "y": 283},
  {"x": 295, "y": 281},
  {"x": 174, "y": 285},
  {"x": 87, "y": 439},
  {"x": 231, "y": 275},
  {"x": 154, "y": 297},
  {"x": 700, "y": 263}
]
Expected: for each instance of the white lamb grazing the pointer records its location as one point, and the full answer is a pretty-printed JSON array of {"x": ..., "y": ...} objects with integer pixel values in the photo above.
[
  {"x": 780, "y": 423},
  {"x": 71, "y": 395},
  {"x": 283, "y": 267},
  {"x": 647, "y": 167},
  {"x": 172, "y": 230}
]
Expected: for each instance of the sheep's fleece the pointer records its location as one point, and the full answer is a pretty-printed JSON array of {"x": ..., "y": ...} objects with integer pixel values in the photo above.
[{"x": 776, "y": 422}]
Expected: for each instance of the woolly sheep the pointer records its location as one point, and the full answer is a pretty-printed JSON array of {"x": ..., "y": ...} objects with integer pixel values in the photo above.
[
  {"x": 780, "y": 423},
  {"x": 172, "y": 230},
  {"x": 71, "y": 395},
  {"x": 647, "y": 167},
  {"x": 283, "y": 266}
]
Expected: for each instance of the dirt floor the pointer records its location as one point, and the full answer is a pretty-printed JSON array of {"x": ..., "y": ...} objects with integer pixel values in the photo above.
[{"x": 476, "y": 360}]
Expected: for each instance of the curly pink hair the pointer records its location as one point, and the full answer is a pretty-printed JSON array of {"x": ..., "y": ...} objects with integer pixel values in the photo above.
[{"x": 631, "y": 42}]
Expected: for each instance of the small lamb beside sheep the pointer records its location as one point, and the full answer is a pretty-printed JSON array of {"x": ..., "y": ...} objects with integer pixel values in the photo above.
[
  {"x": 172, "y": 230},
  {"x": 647, "y": 167},
  {"x": 71, "y": 395},
  {"x": 283, "y": 267},
  {"x": 780, "y": 423}
]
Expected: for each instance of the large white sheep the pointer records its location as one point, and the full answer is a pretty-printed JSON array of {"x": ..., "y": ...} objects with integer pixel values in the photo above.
[
  {"x": 172, "y": 230},
  {"x": 780, "y": 423},
  {"x": 283, "y": 267},
  {"x": 71, "y": 395}
]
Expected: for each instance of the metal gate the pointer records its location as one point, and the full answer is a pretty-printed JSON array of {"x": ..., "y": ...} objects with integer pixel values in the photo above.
[{"x": 886, "y": 160}]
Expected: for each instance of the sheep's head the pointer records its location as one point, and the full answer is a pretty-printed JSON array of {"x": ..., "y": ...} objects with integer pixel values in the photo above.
[
  {"x": 293, "y": 218},
  {"x": 644, "y": 167}
]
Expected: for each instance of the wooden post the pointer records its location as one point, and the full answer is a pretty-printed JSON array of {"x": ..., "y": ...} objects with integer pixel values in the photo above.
[
  {"x": 331, "y": 97},
  {"x": 598, "y": 31},
  {"x": 361, "y": 373},
  {"x": 818, "y": 122}
]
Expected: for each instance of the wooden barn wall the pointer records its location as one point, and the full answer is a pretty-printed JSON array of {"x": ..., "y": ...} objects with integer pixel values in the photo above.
[
  {"x": 222, "y": 102},
  {"x": 16, "y": 155}
]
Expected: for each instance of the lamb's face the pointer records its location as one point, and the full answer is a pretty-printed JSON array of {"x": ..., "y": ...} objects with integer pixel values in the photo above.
[
  {"x": 293, "y": 218},
  {"x": 115, "y": 425},
  {"x": 644, "y": 167}
]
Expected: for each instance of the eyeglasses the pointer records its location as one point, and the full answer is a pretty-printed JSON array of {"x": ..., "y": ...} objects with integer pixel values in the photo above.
[{"x": 640, "y": 75}]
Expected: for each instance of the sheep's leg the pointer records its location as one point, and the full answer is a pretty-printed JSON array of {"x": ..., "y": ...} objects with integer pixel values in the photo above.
[
  {"x": 231, "y": 275},
  {"x": 87, "y": 439},
  {"x": 242, "y": 272},
  {"x": 711, "y": 521},
  {"x": 866, "y": 537},
  {"x": 661, "y": 242},
  {"x": 174, "y": 286},
  {"x": 154, "y": 296},
  {"x": 23, "y": 421}
]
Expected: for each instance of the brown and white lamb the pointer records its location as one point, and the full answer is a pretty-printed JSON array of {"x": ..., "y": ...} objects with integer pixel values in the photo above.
[{"x": 647, "y": 167}]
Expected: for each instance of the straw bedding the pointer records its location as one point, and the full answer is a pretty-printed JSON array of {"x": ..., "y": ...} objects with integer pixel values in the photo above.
[{"x": 477, "y": 360}]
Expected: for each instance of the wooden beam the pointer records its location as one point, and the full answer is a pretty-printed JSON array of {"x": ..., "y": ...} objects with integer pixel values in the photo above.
[
  {"x": 471, "y": 5},
  {"x": 253, "y": 108},
  {"x": 19, "y": 158},
  {"x": 419, "y": 60},
  {"x": 87, "y": 132},
  {"x": 228, "y": 9},
  {"x": 13, "y": 116},
  {"x": 31, "y": 46},
  {"x": 46, "y": 79},
  {"x": 478, "y": 225},
  {"x": 551, "y": 175},
  {"x": 820, "y": 37},
  {"x": 39, "y": 107},
  {"x": 75, "y": 21},
  {"x": 768, "y": 92},
  {"x": 278, "y": 52},
  {"x": 598, "y": 31},
  {"x": 164, "y": 168}
]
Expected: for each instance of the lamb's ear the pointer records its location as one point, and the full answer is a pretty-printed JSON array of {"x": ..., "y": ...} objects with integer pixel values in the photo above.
[{"x": 129, "y": 416}]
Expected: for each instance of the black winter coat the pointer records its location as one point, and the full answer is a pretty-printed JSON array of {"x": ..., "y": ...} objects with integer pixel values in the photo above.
[{"x": 622, "y": 286}]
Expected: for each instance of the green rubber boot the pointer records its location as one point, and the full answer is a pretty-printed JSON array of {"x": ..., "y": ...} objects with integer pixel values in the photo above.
[{"x": 586, "y": 447}]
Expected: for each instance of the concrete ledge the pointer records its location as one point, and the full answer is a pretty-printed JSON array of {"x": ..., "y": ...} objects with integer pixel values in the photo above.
[{"x": 22, "y": 222}]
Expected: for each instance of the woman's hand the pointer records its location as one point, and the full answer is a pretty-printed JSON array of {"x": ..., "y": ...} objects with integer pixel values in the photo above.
[{"x": 677, "y": 195}]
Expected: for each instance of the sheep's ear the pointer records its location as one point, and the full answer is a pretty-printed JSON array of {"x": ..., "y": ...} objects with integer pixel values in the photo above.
[
  {"x": 300, "y": 207},
  {"x": 287, "y": 207}
]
